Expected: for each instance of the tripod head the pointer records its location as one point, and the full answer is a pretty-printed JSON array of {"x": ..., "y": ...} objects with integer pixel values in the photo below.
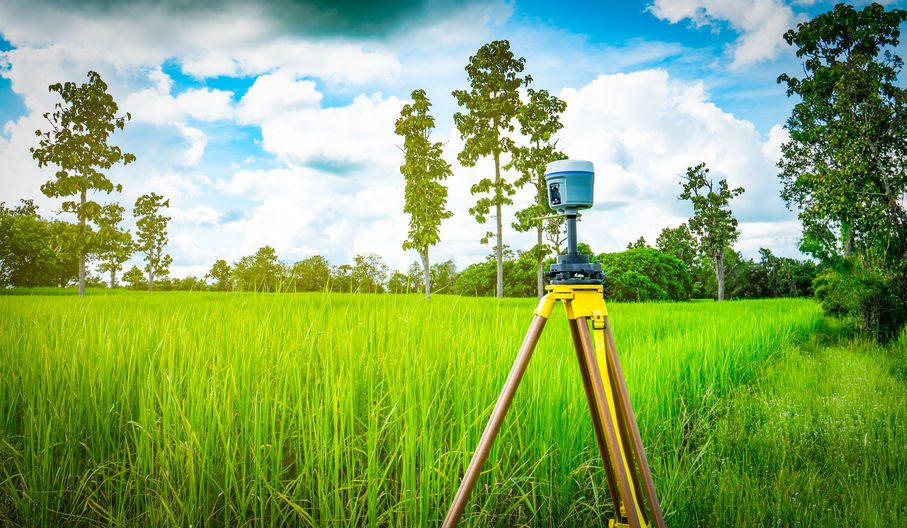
[{"x": 570, "y": 184}]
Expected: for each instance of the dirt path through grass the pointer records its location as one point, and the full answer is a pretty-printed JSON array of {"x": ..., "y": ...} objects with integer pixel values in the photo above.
[{"x": 819, "y": 440}]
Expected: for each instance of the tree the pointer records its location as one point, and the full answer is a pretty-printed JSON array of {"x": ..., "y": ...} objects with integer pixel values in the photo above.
[
  {"x": 35, "y": 251},
  {"x": 712, "y": 222},
  {"x": 312, "y": 274},
  {"x": 678, "y": 242},
  {"x": 423, "y": 169},
  {"x": 413, "y": 277},
  {"x": 492, "y": 103},
  {"x": 539, "y": 120},
  {"x": 135, "y": 278},
  {"x": 645, "y": 274},
  {"x": 845, "y": 166},
  {"x": 444, "y": 277},
  {"x": 114, "y": 247},
  {"x": 640, "y": 243},
  {"x": 369, "y": 273},
  {"x": 259, "y": 272},
  {"x": 342, "y": 278},
  {"x": 221, "y": 273},
  {"x": 78, "y": 143},
  {"x": 152, "y": 234}
]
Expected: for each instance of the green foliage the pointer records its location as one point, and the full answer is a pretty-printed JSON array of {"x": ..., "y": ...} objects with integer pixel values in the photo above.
[
  {"x": 221, "y": 273},
  {"x": 539, "y": 120},
  {"x": 135, "y": 279},
  {"x": 845, "y": 166},
  {"x": 712, "y": 223},
  {"x": 639, "y": 244},
  {"x": 679, "y": 242},
  {"x": 152, "y": 235},
  {"x": 369, "y": 273},
  {"x": 113, "y": 246},
  {"x": 444, "y": 277},
  {"x": 492, "y": 104},
  {"x": 868, "y": 293},
  {"x": 35, "y": 251},
  {"x": 645, "y": 274},
  {"x": 478, "y": 279},
  {"x": 259, "y": 272},
  {"x": 424, "y": 168},
  {"x": 78, "y": 144},
  {"x": 311, "y": 274}
]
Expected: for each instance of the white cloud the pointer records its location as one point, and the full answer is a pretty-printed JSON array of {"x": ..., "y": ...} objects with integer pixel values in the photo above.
[
  {"x": 275, "y": 94},
  {"x": 642, "y": 130},
  {"x": 761, "y": 23}
]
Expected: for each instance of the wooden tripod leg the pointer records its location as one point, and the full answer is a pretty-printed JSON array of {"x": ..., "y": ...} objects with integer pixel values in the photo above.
[
  {"x": 618, "y": 462},
  {"x": 625, "y": 408},
  {"x": 596, "y": 417},
  {"x": 494, "y": 423}
]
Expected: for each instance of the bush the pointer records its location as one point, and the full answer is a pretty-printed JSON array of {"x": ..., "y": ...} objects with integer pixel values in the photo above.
[
  {"x": 875, "y": 298},
  {"x": 645, "y": 274}
]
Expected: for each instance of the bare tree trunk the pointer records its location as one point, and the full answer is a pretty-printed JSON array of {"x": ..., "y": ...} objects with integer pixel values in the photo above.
[
  {"x": 499, "y": 249},
  {"x": 847, "y": 243},
  {"x": 719, "y": 273},
  {"x": 82, "y": 248},
  {"x": 150, "y": 281},
  {"x": 113, "y": 278},
  {"x": 426, "y": 272},
  {"x": 541, "y": 281}
]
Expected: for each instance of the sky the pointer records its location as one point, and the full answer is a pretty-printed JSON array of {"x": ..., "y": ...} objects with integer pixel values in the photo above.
[{"x": 272, "y": 122}]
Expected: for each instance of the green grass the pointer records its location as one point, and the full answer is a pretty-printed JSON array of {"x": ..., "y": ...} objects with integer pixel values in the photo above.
[{"x": 350, "y": 410}]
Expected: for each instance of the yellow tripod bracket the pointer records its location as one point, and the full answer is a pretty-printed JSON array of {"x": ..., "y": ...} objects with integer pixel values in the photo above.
[{"x": 586, "y": 300}]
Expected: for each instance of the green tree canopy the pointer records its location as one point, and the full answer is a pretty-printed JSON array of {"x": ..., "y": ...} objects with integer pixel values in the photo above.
[
  {"x": 35, "y": 251},
  {"x": 220, "y": 273},
  {"x": 713, "y": 223},
  {"x": 492, "y": 103},
  {"x": 114, "y": 246},
  {"x": 152, "y": 235},
  {"x": 423, "y": 168},
  {"x": 77, "y": 143}
]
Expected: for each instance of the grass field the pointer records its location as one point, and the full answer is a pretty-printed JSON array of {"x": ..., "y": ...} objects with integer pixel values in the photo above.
[{"x": 179, "y": 409}]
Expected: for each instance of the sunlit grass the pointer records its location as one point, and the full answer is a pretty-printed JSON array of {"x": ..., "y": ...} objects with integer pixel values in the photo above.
[{"x": 343, "y": 410}]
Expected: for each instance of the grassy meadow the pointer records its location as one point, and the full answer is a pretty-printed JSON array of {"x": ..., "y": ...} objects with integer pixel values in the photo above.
[{"x": 205, "y": 409}]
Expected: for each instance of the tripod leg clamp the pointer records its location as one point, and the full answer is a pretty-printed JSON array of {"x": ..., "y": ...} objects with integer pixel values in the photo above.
[{"x": 546, "y": 305}]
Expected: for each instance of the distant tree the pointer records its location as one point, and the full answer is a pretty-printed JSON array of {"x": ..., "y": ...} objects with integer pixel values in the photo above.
[
  {"x": 259, "y": 272},
  {"x": 135, "y": 279},
  {"x": 369, "y": 273},
  {"x": 645, "y": 274},
  {"x": 312, "y": 274},
  {"x": 114, "y": 247},
  {"x": 678, "y": 242},
  {"x": 221, "y": 273},
  {"x": 712, "y": 222},
  {"x": 152, "y": 235},
  {"x": 342, "y": 278},
  {"x": 35, "y": 251},
  {"x": 397, "y": 283},
  {"x": 189, "y": 283},
  {"x": 539, "y": 120},
  {"x": 423, "y": 168},
  {"x": 492, "y": 104},
  {"x": 413, "y": 277},
  {"x": 78, "y": 144},
  {"x": 444, "y": 277},
  {"x": 845, "y": 165},
  {"x": 640, "y": 243}
]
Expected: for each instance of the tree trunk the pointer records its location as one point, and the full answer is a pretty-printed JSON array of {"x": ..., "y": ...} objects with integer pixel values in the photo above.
[
  {"x": 150, "y": 281},
  {"x": 719, "y": 274},
  {"x": 499, "y": 250},
  {"x": 426, "y": 272},
  {"x": 541, "y": 281},
  {"x": 847, "y": 242},
  {"x": 82, "y": 247},
  {"x": 113, "y": 278}
]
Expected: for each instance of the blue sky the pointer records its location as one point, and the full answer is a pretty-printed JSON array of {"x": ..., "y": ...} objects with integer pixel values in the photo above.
[{"x": 271, "y": 123}]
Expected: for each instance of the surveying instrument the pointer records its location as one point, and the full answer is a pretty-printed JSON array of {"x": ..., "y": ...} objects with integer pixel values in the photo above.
[{"x": 579, "y": 284}]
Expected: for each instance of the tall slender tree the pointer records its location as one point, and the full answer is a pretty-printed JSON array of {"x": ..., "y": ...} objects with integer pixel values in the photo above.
[
  {"x": 77, "y": 143},
  {"x": 114, "y": 246},
  {"x": 423, "y": 168},
  {"x": 492, "y": 104},
  {"x": 539, "y": 120},
  {"x": 152, "y": 234},
  {"x": 712, "y": 222}
]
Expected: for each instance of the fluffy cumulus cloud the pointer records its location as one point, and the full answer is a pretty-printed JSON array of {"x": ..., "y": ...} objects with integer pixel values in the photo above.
[
  {"x": 761, "y": 23},
  {"x": 642, "y": 130}
]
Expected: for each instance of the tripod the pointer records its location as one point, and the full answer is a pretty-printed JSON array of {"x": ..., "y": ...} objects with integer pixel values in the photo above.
[{"x": 613, "y": 419}]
